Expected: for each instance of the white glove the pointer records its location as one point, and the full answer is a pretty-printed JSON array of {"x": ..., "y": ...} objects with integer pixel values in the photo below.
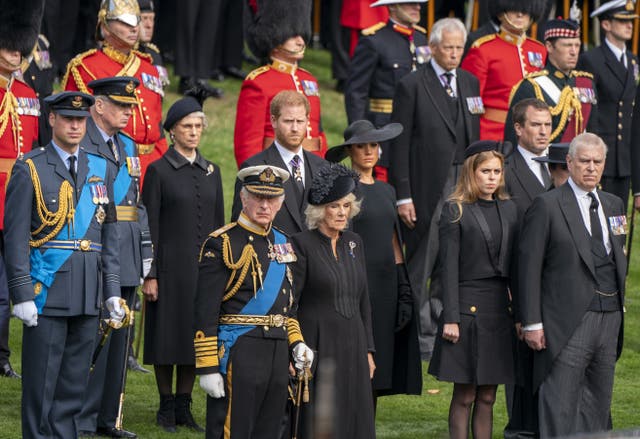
[
  {"x": 302, "y": 356},
  {"x": 146, "y": 266},
  {"x": 27, "y": 312},
  {"x": 212, "y": 384},
  {"x": 116, "y": 313}
]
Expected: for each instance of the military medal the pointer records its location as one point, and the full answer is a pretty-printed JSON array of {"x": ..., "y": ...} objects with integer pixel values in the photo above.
[
  {"x": 618, "y": 224},
  {"x": 475, "y": 105},
  {"x": 310, "y": 88},
  {"x": 100, "y": 214},
  {"x": 423, "y": 54},
  {"x": 163, "y": 74},
  {"x": 134, "y": 167},
  {"x": 284, "y": 253},
  {"x": 95, "y": 194},
  {"x": 585, "y": 95},
  {"x": 289, "y": 275},
  {"x": 636, "y": 73},
  {"x": 153, "y": 83},
  {"x": 535, "y": 59}
]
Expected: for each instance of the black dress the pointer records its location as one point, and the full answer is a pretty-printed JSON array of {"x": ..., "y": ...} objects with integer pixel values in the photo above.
[
  {"x": 476, "y": 253},
  {"x": 335, "y": 319},
  {"x": 398, "y": 366},
  {"x": 184, "y": 203}
]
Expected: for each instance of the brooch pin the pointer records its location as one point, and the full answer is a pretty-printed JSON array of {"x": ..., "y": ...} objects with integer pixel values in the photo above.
[{"x": 352, "y": 246}]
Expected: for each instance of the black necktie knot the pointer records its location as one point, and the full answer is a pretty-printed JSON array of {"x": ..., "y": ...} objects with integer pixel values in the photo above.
[
  {"x": 594, "y": 201},
  {"x": 72, "y": 167}
]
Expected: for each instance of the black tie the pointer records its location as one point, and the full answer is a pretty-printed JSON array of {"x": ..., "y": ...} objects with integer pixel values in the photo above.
[
  {"x": 448, "y": 76},
  {"x": 622, "y": 60},
  {"x": 546, "y": 178},
  {"x": 597, "y": 239},
  {"x": 72, "y": 168},
  {"x": 114, "y": 149}
]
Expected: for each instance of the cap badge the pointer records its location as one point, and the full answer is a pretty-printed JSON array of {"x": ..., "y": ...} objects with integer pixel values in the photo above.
[
  {"x": 267, "y": 176},
  {"x": 130, "y": 87},
  {"x": 629, "y": 5},
  {"x": 76, "y": 102}
]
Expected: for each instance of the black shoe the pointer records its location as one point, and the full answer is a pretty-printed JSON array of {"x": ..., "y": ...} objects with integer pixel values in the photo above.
[
  {"x": 7, "y": 371},
  {"x": 114, "y": 432},
  {"x": 86, "y": 433},
  {"x": 183, "y": 412},
  {"x": 212, "y": 92},
  {"x": 235, "y": 72},
  {"x": 217, "y": 75},
  {"x": 166, "y": 416},
  {"x": 132, "y": 364}
]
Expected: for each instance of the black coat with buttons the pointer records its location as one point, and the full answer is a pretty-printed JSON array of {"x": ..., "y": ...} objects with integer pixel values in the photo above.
[
  {"x": 184, "y": 204},
  {"x": 616, "y": 91}
]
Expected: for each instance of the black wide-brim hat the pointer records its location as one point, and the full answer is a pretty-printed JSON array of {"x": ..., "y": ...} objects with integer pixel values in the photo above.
[
  {"x": 362, "y": 131},
  {"x": 332, "y": 182},
  {"x": 557, "y": 154},
  {"x": 181, "y": 108}
]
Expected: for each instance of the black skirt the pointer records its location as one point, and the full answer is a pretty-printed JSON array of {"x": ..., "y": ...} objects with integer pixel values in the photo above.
[{"x": 484, "y": 354}]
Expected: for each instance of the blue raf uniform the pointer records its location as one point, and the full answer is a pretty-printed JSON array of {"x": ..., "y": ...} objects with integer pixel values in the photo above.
[
  {"x": 102, "y": 397},
  {"x": 62, "y": 259}
]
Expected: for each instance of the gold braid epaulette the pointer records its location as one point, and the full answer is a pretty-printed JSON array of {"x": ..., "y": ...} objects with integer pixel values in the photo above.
[
  {"x": 65, "y": 212},
  {"x": 568, "y": 104},
  {"x": 72, "y": 68},
  {"x": 248, "y": 259}
]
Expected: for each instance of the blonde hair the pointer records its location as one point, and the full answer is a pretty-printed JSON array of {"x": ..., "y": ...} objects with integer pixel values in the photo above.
[
  {"x": 315, "y": 213},
  {"x": 466, "y": 190}
]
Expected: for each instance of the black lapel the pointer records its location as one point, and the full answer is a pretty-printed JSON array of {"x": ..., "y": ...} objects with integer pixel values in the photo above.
[
  {"x": 54, "y": 160},
  {"x": 575, "y": 224},
  {"x": 617, "y": 241},
  {"x": 614, "y": 64},
  {"x": 99, "y": 145},
  {"x": 632, "y": 65},
  {"x": 430, "y": 82},
  {"x": 83, "y": 170},
  {"x": 274, "y": 158},
  {"x": 484, "y": 227},
  {"x": 506, "y": 239},
  {"x": 525, "y": 176}
]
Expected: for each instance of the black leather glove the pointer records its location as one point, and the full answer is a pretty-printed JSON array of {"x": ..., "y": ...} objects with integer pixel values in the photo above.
[{"x": 404, "y": 312}]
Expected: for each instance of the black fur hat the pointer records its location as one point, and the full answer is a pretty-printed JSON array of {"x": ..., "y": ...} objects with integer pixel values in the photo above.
[
  {"x": 535, "y": 8},
  {"x": 20, "y": 24},
  {"x": 272, "y": 22}
]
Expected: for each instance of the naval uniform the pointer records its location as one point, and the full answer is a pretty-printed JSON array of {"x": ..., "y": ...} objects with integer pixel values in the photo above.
[
  {"x": 385, "y": 53},
  {"x": 616, "y": 86},
  {"x": 68, "y": 267},
  {"x": 253, "y": 131},
  {"x": 145, "y": 125},
  {"x": 500, "y": 61},
  {"x": 245, "y": 323},
  {"x": 572, "y": 100},
  {"x": 101, "y": 400}
]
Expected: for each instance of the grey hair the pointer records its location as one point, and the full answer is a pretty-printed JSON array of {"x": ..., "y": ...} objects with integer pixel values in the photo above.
[
  {"x": 200, "y": 114},
  {"x": 449, "y": 25},
  {"x": 315, "y": 213},
  {"x": 586, "y": 139}
]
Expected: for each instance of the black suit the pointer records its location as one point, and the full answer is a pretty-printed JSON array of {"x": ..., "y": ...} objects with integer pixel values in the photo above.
[
  {"x": 290, "y": 218},
  {"x": 422, "y": 158},
  {"x": 556, "y": 287},
  {"x": 522, "y": 184},
  {"x": 616, "y": 89}
]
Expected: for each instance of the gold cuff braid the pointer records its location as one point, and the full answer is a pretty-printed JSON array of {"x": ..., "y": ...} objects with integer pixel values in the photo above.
[
  {"x": 206, "y": 350},
  {"x": 293, "y": 331}
]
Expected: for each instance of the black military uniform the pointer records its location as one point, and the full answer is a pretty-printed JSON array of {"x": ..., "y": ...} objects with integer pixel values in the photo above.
[
  {"x": 616, "y": 77},
  {"x": 38, "y": 73},
  {"x": 572, "y": 98},
  {"x": 102, "y": 398},
  {"x": 245, "y": 318},
  {"x": 64, "y": 267},
  {"x": 385, "y": 53}
]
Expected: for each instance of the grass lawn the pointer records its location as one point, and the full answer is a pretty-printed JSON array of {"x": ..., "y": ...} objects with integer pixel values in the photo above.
[{"x": 401, "y": 417}]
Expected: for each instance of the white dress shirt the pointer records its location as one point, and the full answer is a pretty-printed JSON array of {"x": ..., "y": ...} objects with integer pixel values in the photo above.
[
  {"x": 532, "y": 164},
  {"x": 287, "y": 156}
]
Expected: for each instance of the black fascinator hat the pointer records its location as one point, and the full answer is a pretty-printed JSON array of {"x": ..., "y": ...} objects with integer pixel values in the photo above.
[{"x": 331, "y": 183}]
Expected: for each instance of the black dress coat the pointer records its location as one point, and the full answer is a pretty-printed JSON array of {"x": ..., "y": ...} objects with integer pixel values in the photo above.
[
  {"x": 477, "y": 266},
  {"x": 616, "y": 89},
  {"x": 422, "y": 156},
  {"x": 290, "y": 219},
  {"x": 184, "y": 203},
  {"x": 557, "y": 280}
]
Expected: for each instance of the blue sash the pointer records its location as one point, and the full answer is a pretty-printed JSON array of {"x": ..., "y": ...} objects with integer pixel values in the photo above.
[
  {"x": 44, "y": 265},
  {"x": 123, "y": 180},
  {"x": 258, "y": 305}
]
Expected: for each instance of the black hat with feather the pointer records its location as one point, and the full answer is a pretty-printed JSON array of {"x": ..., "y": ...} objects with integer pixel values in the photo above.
[{"x": 272, "y": 22}]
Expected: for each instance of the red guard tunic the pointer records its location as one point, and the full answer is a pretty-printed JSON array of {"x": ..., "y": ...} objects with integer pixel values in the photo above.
[
  {"x": 19, "y": 111},
  {"x": 145, "y": 125},
  {"x": 253, "y": 131},
  {"x": 500, "y": 61}
]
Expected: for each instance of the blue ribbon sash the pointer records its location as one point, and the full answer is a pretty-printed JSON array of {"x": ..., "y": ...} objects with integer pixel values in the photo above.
[
  {"x": 44, "y": 265},
  {"x": 123, "y": 179},
  {"x": 258, "y": 305}
]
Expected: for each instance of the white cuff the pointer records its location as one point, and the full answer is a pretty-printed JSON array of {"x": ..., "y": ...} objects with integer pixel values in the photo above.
[
  {"x": 404, "y": 201},
  {"x": 533, "y": 327}
]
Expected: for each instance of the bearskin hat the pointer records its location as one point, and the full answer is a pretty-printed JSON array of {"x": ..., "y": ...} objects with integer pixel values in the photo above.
[
  {"x": 535, "y": 8},
  {"x": 272, "y": 22},
  {"x": 20, "y": 24}
]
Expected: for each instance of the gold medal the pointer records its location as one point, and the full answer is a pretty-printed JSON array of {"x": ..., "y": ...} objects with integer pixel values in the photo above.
[{"x": 100, "y": 215}]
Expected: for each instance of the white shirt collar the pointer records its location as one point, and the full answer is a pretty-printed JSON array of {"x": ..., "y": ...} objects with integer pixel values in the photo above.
[
  {"x": 617, "y": 52},
  {"x": 440, "y": 70},
  {"x": 287, "y": 155}
]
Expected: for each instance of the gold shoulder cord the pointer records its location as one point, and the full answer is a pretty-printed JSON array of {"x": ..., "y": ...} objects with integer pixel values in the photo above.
[
  {"x": 8, "y": 112},
  {"x": 247, "y": 259},
  {"x": 65, "y": 212},
  {"x": 568, "y": 104}
]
